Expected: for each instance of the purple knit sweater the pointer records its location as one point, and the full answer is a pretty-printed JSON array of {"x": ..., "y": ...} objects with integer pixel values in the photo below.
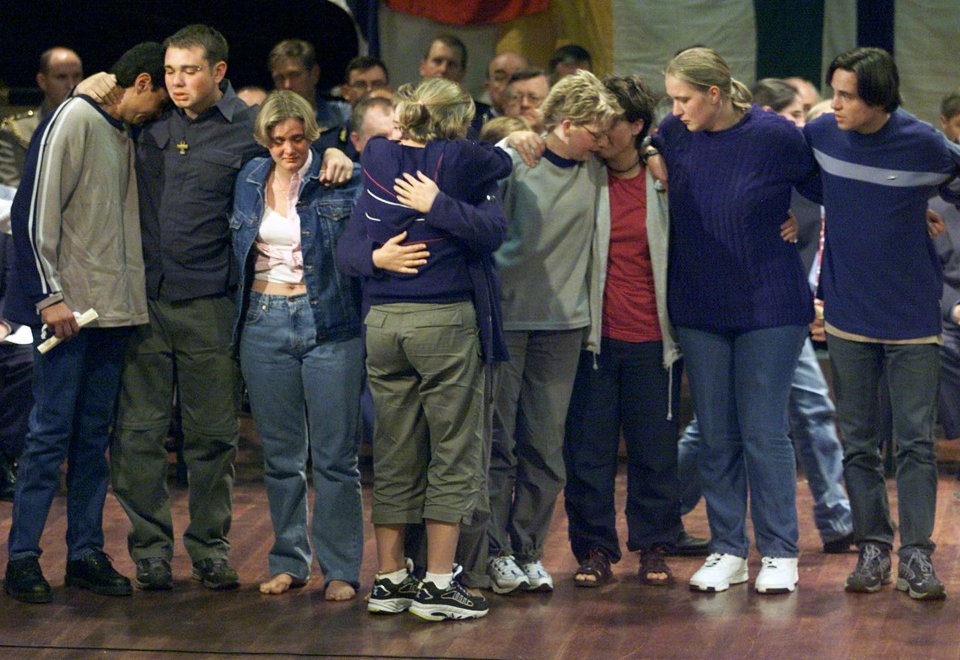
[{"x": 729, "y": 193}]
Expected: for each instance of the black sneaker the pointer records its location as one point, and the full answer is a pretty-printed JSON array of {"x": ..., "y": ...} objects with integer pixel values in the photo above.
[
  {"x": 872, "y": 571},
  {"x": 915, "y": 575},
  {"x": 153, "y": 574},
  {"x": 454, "y": 602},
  {"x": 95, "y": 572},
  {"x": 389, "y": 598},
  {"x": 25, "y": 582},
  {"x": 216, "y": 574}
]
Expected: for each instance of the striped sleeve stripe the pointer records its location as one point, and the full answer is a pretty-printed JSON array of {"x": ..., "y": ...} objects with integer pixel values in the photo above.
[
  {"x": 878, "y": 175},
  {"x": 41, "y": 182}
]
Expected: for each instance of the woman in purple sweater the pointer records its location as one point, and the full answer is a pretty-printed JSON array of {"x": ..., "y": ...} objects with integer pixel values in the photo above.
[{"x": 740, "y": 303}]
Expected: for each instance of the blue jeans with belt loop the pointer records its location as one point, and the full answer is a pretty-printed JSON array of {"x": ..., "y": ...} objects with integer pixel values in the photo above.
[
  {"x": 305, "y": 396},
  {"x": 740, "y": 383}
]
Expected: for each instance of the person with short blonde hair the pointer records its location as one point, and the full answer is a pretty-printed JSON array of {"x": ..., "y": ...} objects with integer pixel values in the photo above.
[
  {"x": 579, "y": 98},
  {"x": 546, "y": 272},
  {"x": 279, "y": 106},
  {"x": 298, "y": 336}
]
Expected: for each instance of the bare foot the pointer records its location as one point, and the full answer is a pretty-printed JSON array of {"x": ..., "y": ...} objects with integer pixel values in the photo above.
[
  {"x": 281, "y": 583},
  {"x": 339, "y": 590}
]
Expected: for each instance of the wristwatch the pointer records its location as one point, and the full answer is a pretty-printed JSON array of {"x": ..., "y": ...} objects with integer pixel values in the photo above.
[{"x": 647, "y": 150}]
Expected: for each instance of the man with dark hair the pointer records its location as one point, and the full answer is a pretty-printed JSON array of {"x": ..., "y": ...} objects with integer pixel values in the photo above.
[
  {"x": 77, "y": 236},
  {"x": 187, "y": 161},
  {"x": 524, "y": 94},
  {"x": 445, "y": 57},
  {"x": 881, "y": 286},
  {"x": 569, "y": 59},
  {"x": 293, "y": 65},
  {"x": 60, "y": 69},
  {"x": 363, "y": 75}
]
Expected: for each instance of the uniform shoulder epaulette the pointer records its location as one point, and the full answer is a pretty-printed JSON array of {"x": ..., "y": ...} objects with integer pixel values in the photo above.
[{"x": 9, "y": 124}]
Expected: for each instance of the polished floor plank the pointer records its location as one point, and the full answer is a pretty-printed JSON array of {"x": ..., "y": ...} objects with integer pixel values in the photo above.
[{"x": 623, "y": 619}]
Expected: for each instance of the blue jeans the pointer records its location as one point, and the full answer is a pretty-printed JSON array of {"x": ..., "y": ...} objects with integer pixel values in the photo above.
[
  {"x": 305, "y": 396},
  {"x": 815, "y": 437},
  {"x": 913, "y": 371},
  {"x": 740, "y": 382},
  {"x": 75, "y": 391},
  {"x": 624, "y": 389}
]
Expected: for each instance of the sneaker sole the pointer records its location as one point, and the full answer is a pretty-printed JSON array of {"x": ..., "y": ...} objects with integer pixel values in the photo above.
[
  {"x": 903, "y": 585},
  {"x": 393, "y": 606},
  {"x": 777, "y": 590},
  {"x": 216, "y": 586},
  {"x": 445, "y": 612},
  {"x": 723, "y": 586},
  {"x": 541, "y": 588},
  {"x": 29, "y": 598},
  {"x": 508, "y": 591},
  {"x": 80, "y": 583},
  {"x": 866, "y": 588},
  {"x": 153, "y": 586}
]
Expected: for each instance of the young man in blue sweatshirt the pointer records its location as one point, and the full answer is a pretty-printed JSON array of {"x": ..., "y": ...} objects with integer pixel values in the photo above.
[{"x": 881, "y": 285}]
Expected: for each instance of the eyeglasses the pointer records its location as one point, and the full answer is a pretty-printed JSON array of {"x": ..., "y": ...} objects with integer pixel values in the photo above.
[
  {"x": 594, "y": 134},
  {"x": 366, "y": 86},
  {"x": 515, "y": 97}
]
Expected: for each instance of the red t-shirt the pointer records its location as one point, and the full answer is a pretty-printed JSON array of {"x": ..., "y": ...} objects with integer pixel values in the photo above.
[{"x": 629, "y": 299}]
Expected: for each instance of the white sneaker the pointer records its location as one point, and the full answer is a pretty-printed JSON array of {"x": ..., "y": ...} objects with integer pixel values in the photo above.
[
  {"x": 777, "y": 576},
  {"x": 505, "y": 576},
  {"x": 718, "y": 572},
  {"x": 537, "y": 577}
]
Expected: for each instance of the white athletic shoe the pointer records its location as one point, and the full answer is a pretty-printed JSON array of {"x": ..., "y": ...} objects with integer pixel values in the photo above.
[
  {"x": 718, "y": 572},
  {"x": 777, "y": 576},
  {"x": 505, "y": 576},
  {"x": 537, "y": 577}
]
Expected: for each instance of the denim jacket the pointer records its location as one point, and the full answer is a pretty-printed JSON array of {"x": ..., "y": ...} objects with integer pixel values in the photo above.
[{"x": 334, "y": 297}]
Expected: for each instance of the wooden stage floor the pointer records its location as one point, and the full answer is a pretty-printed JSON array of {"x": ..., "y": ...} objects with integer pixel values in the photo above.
[{"x": 621, "y": 620}]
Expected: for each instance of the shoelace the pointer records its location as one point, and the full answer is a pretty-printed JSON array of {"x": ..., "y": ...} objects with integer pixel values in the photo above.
[
  {"x": 871, "y": 554},
  {"x": 713, "y": 560},
  {"x": 770, "y": 562},
  {"x": 921, "y": 563},
  {"x": 503, "y": 565}
]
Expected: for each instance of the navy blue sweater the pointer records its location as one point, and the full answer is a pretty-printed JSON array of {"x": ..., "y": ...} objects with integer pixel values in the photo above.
[
  {"x": 729, "y": 269},
  {"x": 463, "y": 228},
  {"x": 881, "y": 277}
]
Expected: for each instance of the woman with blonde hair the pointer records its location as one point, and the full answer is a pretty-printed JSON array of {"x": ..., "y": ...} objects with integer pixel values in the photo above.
[
  {"x": 547, "y": 270},
  {"x": 300, "y": 353},
  {"x": 740, "y": 303},
  {"x": 421, "y": 237}
]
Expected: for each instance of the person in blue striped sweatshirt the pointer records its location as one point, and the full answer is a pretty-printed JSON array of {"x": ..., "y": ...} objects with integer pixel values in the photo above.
[{"x": 881, "y": 285}]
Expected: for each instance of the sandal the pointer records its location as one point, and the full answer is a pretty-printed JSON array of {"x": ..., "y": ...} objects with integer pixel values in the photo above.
[
  {"x": 653, "y": 569},
  {"x": 597, "y": 566}
]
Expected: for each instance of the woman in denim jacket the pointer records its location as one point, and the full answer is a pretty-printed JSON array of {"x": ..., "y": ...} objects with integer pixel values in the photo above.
[{"x": 299, "y": 340}]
